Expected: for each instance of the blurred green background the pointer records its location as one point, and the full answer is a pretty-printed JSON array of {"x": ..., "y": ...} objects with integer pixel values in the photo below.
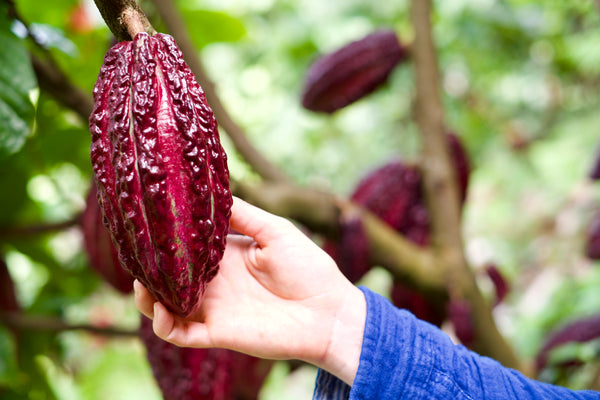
[{"x": 521, "y": 83}]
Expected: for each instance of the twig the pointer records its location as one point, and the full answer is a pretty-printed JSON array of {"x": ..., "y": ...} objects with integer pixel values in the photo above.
[
  {"x": 124, "y": 18},
  {"x": 53, "y": 81},
  {"x": 177, "y": 29},
  {"x": 20, "y": 322},
  {"x": 441, "y": 192},
  {"x": 37, "y": 229}
]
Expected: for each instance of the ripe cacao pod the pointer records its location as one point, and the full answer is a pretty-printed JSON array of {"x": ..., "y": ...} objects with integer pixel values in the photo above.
[
  {"x": 355, "y": 70},
  {"x": 160, "y": 170},
  {"x": 202, "y": 374},
  {"x": 351, "y": 250},
  {"x": 578, "y": 331},
  {"x": 101, "y": 252},
  {"x": 394, "y": 193},
  {"x": 460, "y": 315},
  {"x": 498, "y": 280}
]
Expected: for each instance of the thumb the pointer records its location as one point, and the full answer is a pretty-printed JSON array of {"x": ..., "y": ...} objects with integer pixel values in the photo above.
[{"x": 252, "y": 221}]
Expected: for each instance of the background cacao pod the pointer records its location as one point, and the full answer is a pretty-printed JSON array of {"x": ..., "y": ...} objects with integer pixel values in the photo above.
[
  {"x": 394, "y": 193},
  {"x": 160, "y": 170},
  {"x": 355, "y": 70},
  {"x": 101, "y": 252},
  {"x": 202, "y": 374},
  {"x": 580, "y": 330}
]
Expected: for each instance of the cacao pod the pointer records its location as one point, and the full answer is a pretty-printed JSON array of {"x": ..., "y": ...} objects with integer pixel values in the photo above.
[
  {"x": 355, "y": 70},
  {"x": 351, "y": 250},
  {"x": 417, "y": 303},
  {"x": 394, "y": 193},
  {"x": 579, "y": 331},
  {"x": 460, "y": 315},
  {"x": 202, "y": 374},
  {"x": 500, "y": 284},
  {"x": 160, "y": 170},
  {"x": 101, "y": 252}
]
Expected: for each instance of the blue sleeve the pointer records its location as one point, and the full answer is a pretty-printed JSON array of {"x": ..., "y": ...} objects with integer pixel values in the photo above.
[{"x": 405, "y": 358}]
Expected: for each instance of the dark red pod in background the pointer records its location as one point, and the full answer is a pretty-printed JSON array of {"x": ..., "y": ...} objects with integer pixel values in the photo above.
[
  {"x": 352, "y": 72},
  {"x": 578, "y": 331},
  {"x": 202, "y": 374},
  {"x": 101, "y": 252}
]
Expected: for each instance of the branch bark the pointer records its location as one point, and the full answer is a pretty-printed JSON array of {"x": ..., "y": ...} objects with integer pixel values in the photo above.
[
  {"x": 441, "y": 192},
  {"x": 37, "y": 229},
  {"x": 178, "y": 30},
  {"x": 53, "y": 81},
  {"x": 124, "y": 18},
  {"x": 19, "y": 322},
  {"x": 321, "y": 211}
]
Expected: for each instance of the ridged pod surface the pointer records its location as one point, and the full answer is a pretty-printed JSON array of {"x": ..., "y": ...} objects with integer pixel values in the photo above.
[
  {"x": 202, "y": 374},
  {"x": 101, "y": 252},
  {"x": 160, "y": 170},
  {"x": 355, "y": 70}
]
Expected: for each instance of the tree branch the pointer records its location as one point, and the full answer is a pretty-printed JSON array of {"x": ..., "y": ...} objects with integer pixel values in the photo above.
[
  {"x": 124, "y": 18},
  {"x": 53, "y": 81},
  {"x": 20, "y": 322},
  {"x": 37, "y": 229},
  {"x": 177, "y": 29},
  {"x": 441, "y": 192},
  {"x": 321, "y": 211}
]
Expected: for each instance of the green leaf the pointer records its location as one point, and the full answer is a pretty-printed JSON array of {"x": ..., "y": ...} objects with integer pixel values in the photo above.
[
  {"x": 207, "y": 26},
  {"x": 16, "y": 82}
]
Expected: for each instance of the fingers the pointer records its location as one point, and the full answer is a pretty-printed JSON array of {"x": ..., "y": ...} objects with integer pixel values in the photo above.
[
  {"x": 179, "y": 332},
  {"x": 143, "y": 299},
  {"x": 255, "y": 222}
]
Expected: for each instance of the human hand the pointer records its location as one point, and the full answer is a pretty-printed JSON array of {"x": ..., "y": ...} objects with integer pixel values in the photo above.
[{"x": 277, "y": 295}]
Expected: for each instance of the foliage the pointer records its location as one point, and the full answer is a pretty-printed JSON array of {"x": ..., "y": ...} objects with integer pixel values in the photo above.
[{"x": 520, "y": 81}]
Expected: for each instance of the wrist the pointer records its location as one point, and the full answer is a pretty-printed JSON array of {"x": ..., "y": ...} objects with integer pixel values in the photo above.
[{"x": 342, "y": 354}]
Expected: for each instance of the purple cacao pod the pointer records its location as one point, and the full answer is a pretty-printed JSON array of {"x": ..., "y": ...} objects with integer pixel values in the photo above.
[
  {"x": 417, "y": 303},
  {"x": 101, "y": 252},
  {"x": 498, "y": 280},
  {"x": 202, "y": 374},
  {"x": 351, "y": 250},
  {"x": 160, "y": 170},
  {"x": 352, "y": 72},
  {"x": 578, "y": 331},
  {"x": 460, "y": 315},
  {"x": 394, "y": 193}
]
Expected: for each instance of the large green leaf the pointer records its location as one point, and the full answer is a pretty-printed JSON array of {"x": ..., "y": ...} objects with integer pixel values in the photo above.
[{"x": 16, "y": 82}]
